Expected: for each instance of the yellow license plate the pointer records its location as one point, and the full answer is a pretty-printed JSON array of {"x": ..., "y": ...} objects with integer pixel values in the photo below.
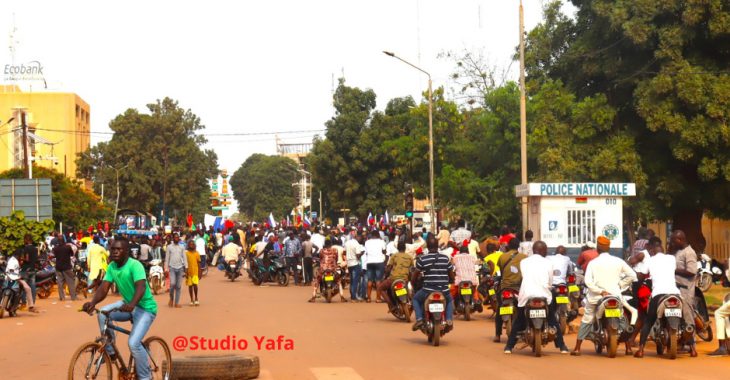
[
  {"x": 466, "y": 291},
  {"x": 491, "y": 292},
  {"x": 505, "y": 310},
  {"x": 612, "y": 313},
  {"x": 401, "y": 292},
  {"x": 573, "y": 288},
  {"x": 562, "y": 300},
  {"x": 329, "y": 278}
]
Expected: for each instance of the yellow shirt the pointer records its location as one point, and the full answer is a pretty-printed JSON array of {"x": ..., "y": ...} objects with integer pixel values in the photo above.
[
  {"x": 493, "y": 258},
  {"x": 193, "y": 262},
  {"x": 97, "y": 260}
]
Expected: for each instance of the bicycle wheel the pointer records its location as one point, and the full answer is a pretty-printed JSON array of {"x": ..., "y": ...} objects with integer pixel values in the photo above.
[
  {"x": 159, "y": 357},
  {"x": 85, "y": 363}
]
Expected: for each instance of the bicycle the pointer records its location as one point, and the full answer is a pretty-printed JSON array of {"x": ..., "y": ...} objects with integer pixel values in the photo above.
[{"x": 91, "y": 360}]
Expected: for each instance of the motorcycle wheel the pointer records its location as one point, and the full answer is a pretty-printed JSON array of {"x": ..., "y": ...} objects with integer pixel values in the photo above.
[
  {"x": 436, "y": 334},
  {"x": 564, "y": 324},
  {"x": 283, "y": 279},
  {"x": 537, "y": 342},
  {"x": 204, "y": 271},
  {"x": 81, "y": 288},
  {"x": 328, "y": 295},
  {"x": 704, "y": 282},
  {"x": 4, "y": 305},
  {"x": 44, "y": 291},
  {"x": 599, "y": 348},
  {"x": 659, "y": 347},
  {"x": 155, "y": 285},
  {"x": 705, "y": 334},
  {"x": 467, "y": 312},
  {"x": 256, "y": 279},
  {"x": 612, "y": 343},
  {"x": 508, "y": 326},
  {"x": 672, "y": 346},
  {"x": 406, "y": 313}
]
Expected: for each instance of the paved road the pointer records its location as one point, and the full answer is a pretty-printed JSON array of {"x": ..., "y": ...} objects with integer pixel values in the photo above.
[{"x": 330, "y": 341}]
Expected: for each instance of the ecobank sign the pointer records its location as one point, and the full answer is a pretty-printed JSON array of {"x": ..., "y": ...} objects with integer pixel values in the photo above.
[{"x": 32, "y": 70}]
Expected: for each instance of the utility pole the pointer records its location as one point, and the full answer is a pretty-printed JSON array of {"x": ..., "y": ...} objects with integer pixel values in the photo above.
[
  {"x": 523, "y": 119},
  {"x": 27, "y": 166},
  {"x": 116, "y": 207},
  {"x": 320, "y": 204}
]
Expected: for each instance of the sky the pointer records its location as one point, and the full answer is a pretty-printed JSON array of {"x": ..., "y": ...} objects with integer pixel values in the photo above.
[{"x": 253, "y": 67}]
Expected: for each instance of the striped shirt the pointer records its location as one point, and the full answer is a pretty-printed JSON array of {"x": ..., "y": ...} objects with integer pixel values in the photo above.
[{"x": 435, "y": 268}]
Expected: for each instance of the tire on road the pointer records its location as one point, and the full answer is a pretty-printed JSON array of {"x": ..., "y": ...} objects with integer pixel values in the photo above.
[{"x": 226, "y": 367}]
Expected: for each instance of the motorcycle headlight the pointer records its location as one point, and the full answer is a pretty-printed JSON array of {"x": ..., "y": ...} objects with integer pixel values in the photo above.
[{"x": 717, "y": 271}]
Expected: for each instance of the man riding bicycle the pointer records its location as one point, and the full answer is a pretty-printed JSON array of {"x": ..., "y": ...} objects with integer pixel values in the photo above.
[{"x": 137, "y": 305}]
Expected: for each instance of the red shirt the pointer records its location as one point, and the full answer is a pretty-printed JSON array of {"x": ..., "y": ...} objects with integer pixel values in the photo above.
[
  {"x": 504, "y": 239},
  {"x": 586, "y": 257}
]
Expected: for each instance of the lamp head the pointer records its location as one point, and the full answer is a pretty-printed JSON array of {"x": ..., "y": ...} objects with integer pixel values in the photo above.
[{"x": 389, "y": 53}]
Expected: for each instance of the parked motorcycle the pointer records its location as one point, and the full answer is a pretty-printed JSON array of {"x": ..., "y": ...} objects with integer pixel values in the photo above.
[
  {"x": 44, "y": 281},
  {"x": 329, "y": 285},
  {"x": 465, "y": 303},
  {"x": 703, "y": 325},
  {"x": 709, "y": 271},
  {"x": 537, "y": 332},
  {"x": 507, "y": 310},
  {"x": 156, "y": 276},
  {"x": 434, "y": 318},
  {"x": 670, "y": 331},
  {"x": 562, "y": 300},
  {"x": 10, "y": 297},
  {"x": 610, "y": 325},
  {"x": 82, "y": 280},
  {"x": 402, "y": 297},
  {"x": 273, "y": 270}
]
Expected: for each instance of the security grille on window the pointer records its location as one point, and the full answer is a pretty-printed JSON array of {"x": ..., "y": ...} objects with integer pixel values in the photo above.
[{"x": 581, "y": 226}]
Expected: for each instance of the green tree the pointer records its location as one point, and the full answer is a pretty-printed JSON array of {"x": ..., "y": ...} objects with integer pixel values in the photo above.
[
  {"x": 159, "y": 159},
  {"x": 263, "y": 185},
  {"x": 73, "y": 205},
  {"x": 14, "y": 228}
]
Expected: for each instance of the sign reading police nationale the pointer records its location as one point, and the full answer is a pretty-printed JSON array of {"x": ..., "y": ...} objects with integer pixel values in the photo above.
[{"x": 576, "y": 190}]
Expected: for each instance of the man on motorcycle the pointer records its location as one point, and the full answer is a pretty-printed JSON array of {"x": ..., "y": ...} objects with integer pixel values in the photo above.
[
  {"x": 437, "y": 271},
  {"x": 12, "y": 270},
  {"x": 327, "y": 261},
  {"x": 137, "y": 304},
  {"x": 509, "y": 262},
  {"x": 464, "y": 267},
  {"x": 399, "y": 267},
  {"x": 232, "y": 252},
  {"x": 661, "y": 268},
  {"x": 605, "y": 275},
  {"x": 537, "y": 281}
]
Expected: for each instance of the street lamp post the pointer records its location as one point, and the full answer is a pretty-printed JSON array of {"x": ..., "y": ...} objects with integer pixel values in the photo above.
[{"x": 432, "y": 211}]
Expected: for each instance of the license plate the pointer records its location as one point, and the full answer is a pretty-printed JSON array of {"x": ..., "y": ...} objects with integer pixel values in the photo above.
[
  {"x": 505, "y": 310},
  {"x": 466, "y": 291},
  {"x": 329, "y": 278},
  {"x": 673, "y": 313},
  {"x": 537, "y": 313},
  {"x": 491, "y": 292},
  {"x": 562, "y": 300},
  {"x": 401, "y": 292},
  {"x": 436, "y": 307},
  {"x": 612, "y": 313},
  {"x": 573, "y": 288}
]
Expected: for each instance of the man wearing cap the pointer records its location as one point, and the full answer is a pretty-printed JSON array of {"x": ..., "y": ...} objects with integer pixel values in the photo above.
[
  {"x": 588, "y": 253},
  {"x": 605, "y": 275}
]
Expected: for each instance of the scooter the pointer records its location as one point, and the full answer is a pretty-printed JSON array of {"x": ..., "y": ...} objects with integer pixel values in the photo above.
[
  {"x": 465, "y": 301},
  {"x": 10, "y": 297},
  {"x": 434, "y": 321},
  {"x": 670, "y": 331},
  {"x": 610, "y": 325},
  {"x": 156, "y": 276},
  {"x": 402, "y": 297},
  {"x": 537, "y": 333}
]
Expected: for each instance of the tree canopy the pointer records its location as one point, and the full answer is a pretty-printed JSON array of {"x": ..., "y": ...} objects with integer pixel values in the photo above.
[{"x": 263, "y": 185}]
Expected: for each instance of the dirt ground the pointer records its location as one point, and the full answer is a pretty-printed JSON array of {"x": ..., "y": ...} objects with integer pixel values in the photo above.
[{"x": 327, "y": 341}]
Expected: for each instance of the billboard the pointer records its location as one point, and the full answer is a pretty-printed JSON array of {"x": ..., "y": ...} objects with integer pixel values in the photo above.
[{"x": 32, "y": 196}]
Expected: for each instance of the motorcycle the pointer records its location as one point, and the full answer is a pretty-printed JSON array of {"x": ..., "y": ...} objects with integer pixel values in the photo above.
[
  {"x": 703, "y": 326},
  {"x": 562, "y": 300},
  {"x": 10, "y": 297},
  {"x": 670, "y": 331},
  {"x": 156, "y": 276},
  {"x": 488, "y": 289},
  {"x": 575, "y": 294},
  {"x": 610, "y": 326},
  {"x": 82, "y": 279},
  {"x": 537, "y": 333},
  {"x": 465, "y": 301},
  {"x": 44, "y": 281},
  {"x": 507, "y": 310},
  {"x": 709, "y": 271},
  {"x": 232, "y": 270},
  {"x": 402, "y": 297},
  {"x": 328, "y": 287},
  {"x": 275, "y": 271},
  {"x": 434, "y": 321}
]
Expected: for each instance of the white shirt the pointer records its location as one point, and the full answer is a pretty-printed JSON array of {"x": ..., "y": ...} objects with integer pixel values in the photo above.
[
  {"x": 561, "y": 265},
  {"x": 318, "y": 240},
  {"x": 374, "y": 252},
  {"x": 525, "y": 248},
  {"x": 607, "y": 273},
  {"x": 641, "y": 266},
  {"x": 391, "y": 248},
  {"x": 662, "y": 267},
  {"x": 537, "y": 279},
  {"x": 200, "y": 245},
  {"x": 460, "y": 234},
  {"x": 12, "y": 269},
  {"x": 352, "y": 249}
]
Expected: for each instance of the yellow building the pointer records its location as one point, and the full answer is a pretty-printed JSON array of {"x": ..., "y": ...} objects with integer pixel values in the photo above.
[{"x": 58, "y": 122}]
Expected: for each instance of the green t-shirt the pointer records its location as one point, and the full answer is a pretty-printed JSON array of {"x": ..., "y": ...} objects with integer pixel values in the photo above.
[{"x": 125, "y": 277}]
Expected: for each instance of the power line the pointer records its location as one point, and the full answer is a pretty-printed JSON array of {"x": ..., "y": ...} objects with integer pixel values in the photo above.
[{"x": 72, "y": 131}]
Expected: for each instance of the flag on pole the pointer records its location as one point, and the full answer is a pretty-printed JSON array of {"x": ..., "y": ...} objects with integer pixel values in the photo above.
[
  {"x": 371, "y": 220},
  {"x": 288, "y": 222},
  {"x": 272, "y": 221},
  {"x": 387, "y": 218},
  {"x": 307, "y": 222}
]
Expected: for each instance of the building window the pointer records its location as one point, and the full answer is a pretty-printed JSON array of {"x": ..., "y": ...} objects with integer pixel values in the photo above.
[{"x": 581, "y": 226}]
